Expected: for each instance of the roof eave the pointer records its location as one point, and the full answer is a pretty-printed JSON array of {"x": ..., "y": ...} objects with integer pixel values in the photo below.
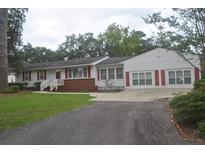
[{"x": 65, "y": 66}]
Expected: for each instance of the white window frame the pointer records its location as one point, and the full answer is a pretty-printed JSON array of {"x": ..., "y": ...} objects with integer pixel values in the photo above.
[
  {"x": 26, "y": 76},
  {"x": 183, "y": 77},
  {"x": 117, "y": 73},
  {"x": 145, "y": 78},
  {"x": 103, "y": 74},
  {"x": 80, "y": 75},
  {"x": 113, "y": 73},
  {"x": 41, "y": 74}
]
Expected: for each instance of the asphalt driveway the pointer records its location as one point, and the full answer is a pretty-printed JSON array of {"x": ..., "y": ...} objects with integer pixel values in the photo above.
[{"x": 102, "y": 123}]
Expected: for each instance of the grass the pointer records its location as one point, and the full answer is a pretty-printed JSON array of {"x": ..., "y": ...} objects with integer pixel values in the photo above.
[{"x": 16, "y": 110}]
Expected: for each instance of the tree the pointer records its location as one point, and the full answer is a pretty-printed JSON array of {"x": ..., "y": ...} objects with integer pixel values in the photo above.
[
  {"x": 82, "y": 45},
  {"x": 16, "y": 18},
  {"x": 3, "y": 50},
  {"x": 186, "y": 31},
  {"x": 121, "y": 41},
  {"x": 115, "y": 41},
  {"x": 37, "y": 54}
]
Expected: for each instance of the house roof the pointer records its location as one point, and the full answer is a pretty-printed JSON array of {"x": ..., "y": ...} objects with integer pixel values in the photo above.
[
  {"x": 114, "y": 60},
  {"x": 73, "y": 62}
]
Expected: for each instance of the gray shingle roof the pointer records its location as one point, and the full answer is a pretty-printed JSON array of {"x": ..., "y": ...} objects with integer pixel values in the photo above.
[
  {"x": 114, "y": 60},
  {"x": 79, "y": 61}
]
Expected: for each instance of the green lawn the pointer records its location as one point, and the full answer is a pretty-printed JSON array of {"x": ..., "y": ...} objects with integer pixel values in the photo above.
[{"x": 17, "y": 110}]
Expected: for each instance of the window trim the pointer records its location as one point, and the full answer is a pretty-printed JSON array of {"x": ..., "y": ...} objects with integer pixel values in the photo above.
[
  {"x": 183, "y": 77},
  {"x": 113, "y": 73},
  {"x": 118, "y": 73},
  {"x": 71, "y": 72},
  {"x": 145, "y": 78},
  {"x": 105, "y": 73},
  {"x": 26, "y": 74},
  {"x": 43, "y": 74}
]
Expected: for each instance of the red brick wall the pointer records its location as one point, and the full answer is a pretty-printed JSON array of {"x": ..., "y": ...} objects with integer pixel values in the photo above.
[{"x": 77, "y": 85}]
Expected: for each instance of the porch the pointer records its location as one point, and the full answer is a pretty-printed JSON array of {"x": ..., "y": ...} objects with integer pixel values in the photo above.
[{"x": 69, "y": 85}]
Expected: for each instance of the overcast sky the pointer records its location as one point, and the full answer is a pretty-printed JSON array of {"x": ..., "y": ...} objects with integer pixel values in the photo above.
[{"x": 48, "y": 27}]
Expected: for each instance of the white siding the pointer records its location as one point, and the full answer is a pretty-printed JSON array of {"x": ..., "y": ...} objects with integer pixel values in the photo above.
[
  {"x": 159, "y": 59},
  {"x": 115, "y": 82},
  {"x": 11, "y": 77},
  {"x": 50, "y": 74}
]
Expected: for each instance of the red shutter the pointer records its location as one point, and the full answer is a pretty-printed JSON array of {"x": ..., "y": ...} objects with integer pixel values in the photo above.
[
  {"x": 163, "y": 77},
  {"x": 38, "y": 75},
  {"x": 196, "y": 73},
  {"x": 98, "y": 74},
  {"x": 29, "y": 76},
  {"x": 89, "y": 72},
  {"x": 66, "y": 73},
  {"x": 23, "y": 76},
  {"x": 45, "y": 75},
  {"x": 127, "y": 79},
  {"x": 156, "y": 77}
]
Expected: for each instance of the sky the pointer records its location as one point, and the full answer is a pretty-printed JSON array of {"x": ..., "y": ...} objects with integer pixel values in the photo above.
[{"x": 48, "y": 27}]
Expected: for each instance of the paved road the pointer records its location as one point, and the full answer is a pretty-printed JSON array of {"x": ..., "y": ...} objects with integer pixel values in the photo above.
[{"x": 102, "y": 123}]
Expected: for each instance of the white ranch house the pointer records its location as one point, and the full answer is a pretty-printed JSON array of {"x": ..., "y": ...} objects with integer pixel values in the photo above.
[{"x": 158, "y": 68}]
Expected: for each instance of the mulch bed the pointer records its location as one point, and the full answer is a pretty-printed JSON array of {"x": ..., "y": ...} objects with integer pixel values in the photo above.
[{"x": 186, "y": 130}]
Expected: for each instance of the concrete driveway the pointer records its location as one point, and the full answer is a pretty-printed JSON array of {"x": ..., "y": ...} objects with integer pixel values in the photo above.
[
  {"x": 134, "y": 95},
  {"x": 102, "y": 123}
]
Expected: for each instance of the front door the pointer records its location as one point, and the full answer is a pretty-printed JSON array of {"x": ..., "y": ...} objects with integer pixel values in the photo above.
[{"x": 58, "y": 75}]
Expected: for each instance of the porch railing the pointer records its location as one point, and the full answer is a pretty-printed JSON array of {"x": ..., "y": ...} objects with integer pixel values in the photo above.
[{"x": 52, "y": 84}]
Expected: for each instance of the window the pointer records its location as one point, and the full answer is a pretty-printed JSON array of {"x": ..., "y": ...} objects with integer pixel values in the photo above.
[
  {"x": 143, "y": 78},
  {"x": 187, "y": 77},
  {"x": 85, "y": 72},
  {"x": 148, "y": 78},
  {"x": 103, "y": 74},
  {"x": 111, "y": 73},
  {"x": 119, "y": 72},
  {"x": 78, "y": 72},
  {"x": 171, "y": 77},
  {"x": 41, "y": 75},
  {"x": 70, "y": 73},
  {"x": 26, "y": 76},
  {"x": 135, "y": 78},
  {"x": 180, "y": 77}
]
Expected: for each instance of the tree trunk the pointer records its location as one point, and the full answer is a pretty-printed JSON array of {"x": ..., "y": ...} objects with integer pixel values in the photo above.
[{"x": 3, "y": 50}]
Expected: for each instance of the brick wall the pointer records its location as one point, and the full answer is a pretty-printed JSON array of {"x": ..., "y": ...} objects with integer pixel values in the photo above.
[{"x": 78, "y": 85}]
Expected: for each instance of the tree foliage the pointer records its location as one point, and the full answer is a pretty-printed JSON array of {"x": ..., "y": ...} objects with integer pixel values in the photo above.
[
  {"x": 185, "y": 32},
  {"x": 16, "y": 18},
  {"x": 115, "y": 41},
  {"x": 81, "y": 46},
  {"x": 37, "y": 54}
]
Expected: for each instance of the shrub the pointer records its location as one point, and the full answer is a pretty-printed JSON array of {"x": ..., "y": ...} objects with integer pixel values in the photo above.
[
  {"x": 15, "y": 89},
  {"x": 37, "y": 85},
  {"x": 201, "y": 128},
  {"x": 20, "y": 85},
  {"x": 199, "y": 85},
  {"x": 189, "y": 107},
  {"x": 11, "y": 89}
]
